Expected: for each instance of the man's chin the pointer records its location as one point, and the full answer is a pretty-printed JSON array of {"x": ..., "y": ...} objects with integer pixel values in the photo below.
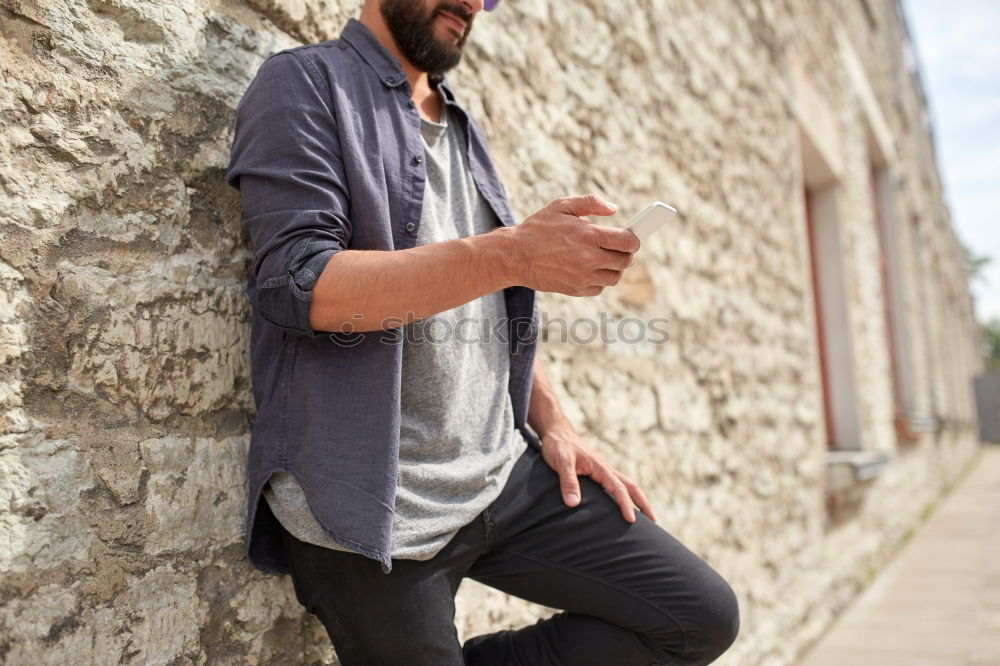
[{"x": 451, "y": 46}]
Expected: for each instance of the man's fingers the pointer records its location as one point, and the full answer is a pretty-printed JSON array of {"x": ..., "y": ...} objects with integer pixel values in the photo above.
[
  {"x": 637, "y": 496},
  {"x": 612, "y": 238},
  {"x": 619, "y": 486},
  {"x": 624, "y": 501},
  {"x": 615, "y": 260},
  {"x": 611, "y": 483},
  {"x": 569, "y": 484},
  {"x": 607, "y": 278},
  {"x": 588, "y": 204}
]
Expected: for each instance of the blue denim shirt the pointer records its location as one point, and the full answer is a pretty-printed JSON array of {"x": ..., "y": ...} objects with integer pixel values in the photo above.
[{"x": 327, "y": 156}]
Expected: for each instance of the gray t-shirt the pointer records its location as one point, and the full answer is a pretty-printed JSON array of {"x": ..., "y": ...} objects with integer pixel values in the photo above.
[{"x": 458, "y": 442}]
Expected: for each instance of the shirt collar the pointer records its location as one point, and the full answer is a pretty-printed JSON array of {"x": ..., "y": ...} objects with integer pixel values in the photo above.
[
  {"x": 378, "y": 58},
  {"x": 384, "y": 63},
  {"x": 442, "y": 85}
]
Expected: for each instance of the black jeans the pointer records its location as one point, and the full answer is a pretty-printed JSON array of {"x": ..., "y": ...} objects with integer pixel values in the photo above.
[{"x": 632, "y": 594}]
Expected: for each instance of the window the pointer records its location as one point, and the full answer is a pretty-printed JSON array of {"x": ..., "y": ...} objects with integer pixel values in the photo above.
[{"x": 833, "y": 330}]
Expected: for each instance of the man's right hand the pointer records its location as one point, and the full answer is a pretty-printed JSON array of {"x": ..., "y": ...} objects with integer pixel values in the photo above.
[
  {"x": 557, "y": 250},
  {"x": 553, "y": 250}
]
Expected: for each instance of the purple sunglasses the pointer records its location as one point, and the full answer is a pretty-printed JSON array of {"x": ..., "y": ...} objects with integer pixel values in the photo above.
[{"x": 490, "y": 5}]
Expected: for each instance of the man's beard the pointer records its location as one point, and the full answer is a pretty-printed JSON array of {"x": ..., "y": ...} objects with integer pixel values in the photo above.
[{"x": 414, "y": 34}]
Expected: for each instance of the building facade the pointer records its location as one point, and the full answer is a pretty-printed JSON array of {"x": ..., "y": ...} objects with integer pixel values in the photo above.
[{"x": 809, "y": 403}]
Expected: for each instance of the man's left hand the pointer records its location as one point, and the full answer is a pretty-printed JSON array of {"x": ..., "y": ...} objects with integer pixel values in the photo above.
[{"x": 566, "y": 453}]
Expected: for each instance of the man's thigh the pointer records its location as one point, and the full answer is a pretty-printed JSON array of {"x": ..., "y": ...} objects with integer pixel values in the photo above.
[
  {"x": 402, "y": 618},
  {"x": 588, "y": 560}
]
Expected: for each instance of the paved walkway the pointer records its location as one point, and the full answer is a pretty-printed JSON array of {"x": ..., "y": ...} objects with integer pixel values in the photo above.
[{"x": 937, "y": 603}]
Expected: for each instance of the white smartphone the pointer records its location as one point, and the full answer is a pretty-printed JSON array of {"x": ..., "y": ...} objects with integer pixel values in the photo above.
[{"x": 656, "y": 215}]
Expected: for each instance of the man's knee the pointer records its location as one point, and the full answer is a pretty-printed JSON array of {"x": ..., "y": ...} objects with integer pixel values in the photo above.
[
  {"x": 709, "y": 629},
  {"x": 719, "y": 624}
]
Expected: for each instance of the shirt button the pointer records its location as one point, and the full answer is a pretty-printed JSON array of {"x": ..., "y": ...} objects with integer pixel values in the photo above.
[
  {"x": 410, "y": 226},
  {"x": 410, "y": 103},
  {"x": 418, "y": 159}
]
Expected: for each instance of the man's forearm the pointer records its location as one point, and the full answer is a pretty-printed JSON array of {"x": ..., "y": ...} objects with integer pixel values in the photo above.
[
  {"x": 544, "y": 412},
  {"x": 553, "y": 249},
  {"x": 368, "y": 290}
]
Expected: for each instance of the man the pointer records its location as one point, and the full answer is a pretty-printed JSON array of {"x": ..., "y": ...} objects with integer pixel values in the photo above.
[{"x": 392, "y": 465}]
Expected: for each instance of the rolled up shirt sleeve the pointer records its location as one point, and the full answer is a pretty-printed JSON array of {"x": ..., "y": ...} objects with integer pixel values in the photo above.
[{"x": 286, "y": 163}]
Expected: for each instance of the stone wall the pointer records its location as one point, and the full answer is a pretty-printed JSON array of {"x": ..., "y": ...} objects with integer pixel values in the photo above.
[{"x": 125, "y": 391}]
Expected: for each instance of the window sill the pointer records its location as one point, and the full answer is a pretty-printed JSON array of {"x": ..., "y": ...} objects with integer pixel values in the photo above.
[
  {"x": 847, "y": 474},
  {"x": 845, "y": 469},
  {"x": 909, "y": 426}
]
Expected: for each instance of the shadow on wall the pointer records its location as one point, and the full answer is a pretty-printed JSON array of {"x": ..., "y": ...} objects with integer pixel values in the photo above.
[{"x": 127, "y": 399}]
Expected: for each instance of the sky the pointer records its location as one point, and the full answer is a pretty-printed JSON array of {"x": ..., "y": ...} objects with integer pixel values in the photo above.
[{"x": 958, "y": 49}]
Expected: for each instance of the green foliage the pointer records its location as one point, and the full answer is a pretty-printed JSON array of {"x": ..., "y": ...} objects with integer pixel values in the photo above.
[
  {"x": 976, "y": 264},
  {"x": 975, "y": 267}
]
